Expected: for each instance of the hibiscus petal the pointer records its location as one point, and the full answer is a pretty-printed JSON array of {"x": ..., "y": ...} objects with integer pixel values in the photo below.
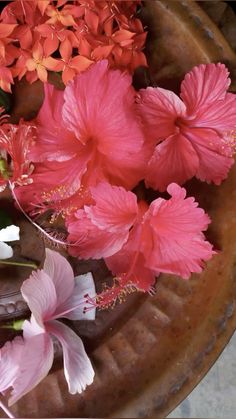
[
  {"x": 53, "y": 182},
  {"x": 99, "y": 109},
  {"x": 176, "y": 243},
  {"x": 77, "y": 366},
  {"x": 32, "y": 328},
  {"x": 174, "y": 160},
  {"x": 46, "y": 148},
  {"x": 91, "y": 242},
  {"x": 40, "y": 294},
  {"x": 6, "y": 251},
  {"x": 214, "y": 155},
  {"x": 84, "y": 286},
  {"x": 61, "y": 273},
  {"x": 159, "y": 109},
  {"x": 35, "y": 362},
  {"x": 203, "y": 85},
  {"x": 115, "y": 208},
  {"x": 10, "y": 234},
  {"x": 10, "y": 355},
  {"x": 219, "y": 115}
]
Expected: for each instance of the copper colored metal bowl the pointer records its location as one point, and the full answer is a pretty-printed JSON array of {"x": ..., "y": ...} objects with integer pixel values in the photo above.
[{"x": 150, "y": 352}]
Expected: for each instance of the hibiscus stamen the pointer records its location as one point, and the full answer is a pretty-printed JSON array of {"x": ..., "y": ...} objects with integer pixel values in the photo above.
[
  {"x": 111, "y": 295},
  {"x": 11, "y": 185}
]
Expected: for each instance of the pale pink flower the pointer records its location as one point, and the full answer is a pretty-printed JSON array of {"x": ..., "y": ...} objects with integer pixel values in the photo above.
[
  {"x": 100, "y": 230},
  {"x": 50, "y": 293},
  {"x": 167, "y": 237},
  {"x": 195, "y": 136},
  {"x": 87, "y": 134}
]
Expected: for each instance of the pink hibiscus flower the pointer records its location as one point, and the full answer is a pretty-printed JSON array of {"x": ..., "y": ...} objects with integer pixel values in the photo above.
[
  {"x": 138, "y": 242},
  {"x": 194, "y": 137},
  {"x": 50, "y": 293},
  {"x": 87, "y": 134},
  {"x": 167, "y": 238}
]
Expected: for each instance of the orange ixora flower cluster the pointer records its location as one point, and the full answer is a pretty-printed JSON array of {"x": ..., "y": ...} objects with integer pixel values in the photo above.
[{"x": 37, "y": 36}]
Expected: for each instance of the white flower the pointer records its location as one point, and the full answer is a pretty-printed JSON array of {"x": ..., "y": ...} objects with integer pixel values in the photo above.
[{"x": 8, "y": 234}]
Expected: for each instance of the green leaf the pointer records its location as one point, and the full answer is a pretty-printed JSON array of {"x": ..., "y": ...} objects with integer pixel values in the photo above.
[{"x": 5, "y": 220}]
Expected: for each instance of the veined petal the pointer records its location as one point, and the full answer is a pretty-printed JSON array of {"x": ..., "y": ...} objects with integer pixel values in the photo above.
[
  {"x": 91, "y": 242},
  {"x": 203, "y": 85},
  {"x": 59, "y": 270},
  {"x": 32, "y": 328},
  {"x": 35, "y": 362},
  {"x": 77, "y": 366},
  {"x": 84, "y": 286},
  {"x": 174, "y": 160},
  {"x": 215, "y": 156},
  {"x": 10, "y": 234},
  {"x": 219, "y": 115},
  {"x": 115, "y": 208},
  {"x": 159, "y": 109},
  {"x": 10, "y": 355},
  {"x": 46, "y": 147},
  {"x": 6, "y": 251},
  {"x": 174, "y": 239},
  {"x": 40, "y": 294}
]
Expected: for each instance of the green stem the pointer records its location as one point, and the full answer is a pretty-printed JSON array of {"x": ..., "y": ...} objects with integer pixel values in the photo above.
[{"x": 27, "y": 265}]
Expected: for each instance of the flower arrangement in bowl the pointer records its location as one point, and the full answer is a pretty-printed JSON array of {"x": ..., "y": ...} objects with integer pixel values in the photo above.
[{"x": 97, "y": 174}]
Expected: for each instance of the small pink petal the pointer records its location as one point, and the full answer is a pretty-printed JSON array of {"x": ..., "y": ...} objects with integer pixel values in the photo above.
[
  {"x": 40, "y": 294},
  {"x": 219, "y": 115},
  {"x": 215, "y": 156},
  {"x": 174, "y": 160},
  {"x": 10, "y": 355},
  {"x": 159, "y": 109},
  {"x": 204, "y": 85},
  {"x": 115, "y": 208},
  {"x": 78, "y": 369},
  {"x": 59, "y": 270},
  {"x": 91, "y": 242},
  {"x": 84, "y": 286}
]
